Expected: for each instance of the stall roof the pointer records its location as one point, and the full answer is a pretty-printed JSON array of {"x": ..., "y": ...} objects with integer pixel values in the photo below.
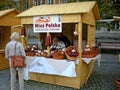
[
  {"x": 66, "y": 8},
  {"x": 117, "y": 18},
  {"x": 5, "y": 12},
  {"x": 7, "y": 17}
]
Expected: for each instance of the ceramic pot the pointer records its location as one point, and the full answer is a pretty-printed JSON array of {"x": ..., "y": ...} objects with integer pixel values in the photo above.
[{"x": 117, "y": 82}]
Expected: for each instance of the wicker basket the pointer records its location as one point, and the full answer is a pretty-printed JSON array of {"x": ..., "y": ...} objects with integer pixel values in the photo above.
[
  {"x": 43, "y": 54},
  {"x": 69, "y": 57},
  {"x": 88, "y": 55},
  {"x": 58, "y": 56},
  {"x": 117, "y": 82},
  {"x": 30, "y": 53}
]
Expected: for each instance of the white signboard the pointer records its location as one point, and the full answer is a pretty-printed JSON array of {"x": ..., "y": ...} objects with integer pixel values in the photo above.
[{"x": 47, "y": 24}]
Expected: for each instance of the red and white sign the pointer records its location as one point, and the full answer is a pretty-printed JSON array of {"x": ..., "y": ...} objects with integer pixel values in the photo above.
[{"x": 47, "y": 24}]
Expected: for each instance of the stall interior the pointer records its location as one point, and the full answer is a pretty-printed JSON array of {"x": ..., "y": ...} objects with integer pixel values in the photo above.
[
  {"x": 5, "y": 32},
  {"x": 68, "y": 30},
  {"x": 37, "y": 40}
]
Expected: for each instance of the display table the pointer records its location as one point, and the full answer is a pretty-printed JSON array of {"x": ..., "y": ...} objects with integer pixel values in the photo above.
[
  {"x": 50, "y": 66},
  {"x": 82, "y": 71},
  {"x": 4, "y": 64},
  {"x": 97, "y": 58}
]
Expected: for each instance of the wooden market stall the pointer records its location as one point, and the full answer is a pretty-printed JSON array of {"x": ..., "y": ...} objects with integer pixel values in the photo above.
[
  {"x": 7, "y": 19},
  {"x": 77, "y": 17},
  {"x": 117, "y": 18}
]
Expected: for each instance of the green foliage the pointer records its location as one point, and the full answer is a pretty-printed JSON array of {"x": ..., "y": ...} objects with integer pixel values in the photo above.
[
  {"x": 107, "y": 8},
  {"x": 69, "y": 1},
  {"x": 9, "y": 4},
  {"x": 6, "y": 4}
]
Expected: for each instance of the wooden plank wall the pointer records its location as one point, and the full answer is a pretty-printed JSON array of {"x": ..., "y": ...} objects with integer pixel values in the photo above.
[
  {"x": 9, "y": 20},
  {"x": 4, "y": 64},
  {"x": 91, "y": 35}
]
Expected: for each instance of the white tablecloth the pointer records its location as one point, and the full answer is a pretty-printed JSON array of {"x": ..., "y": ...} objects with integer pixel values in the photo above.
[
  {"x": 88, "y": 60},
  {"x": 50, "y": 66}
]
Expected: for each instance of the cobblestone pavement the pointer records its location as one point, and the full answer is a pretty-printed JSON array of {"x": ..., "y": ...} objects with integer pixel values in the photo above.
[{"x": 103, "y": 77}]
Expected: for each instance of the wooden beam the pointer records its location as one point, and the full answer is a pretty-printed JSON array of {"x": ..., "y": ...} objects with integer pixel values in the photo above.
[{"x": 69, "y": 18}]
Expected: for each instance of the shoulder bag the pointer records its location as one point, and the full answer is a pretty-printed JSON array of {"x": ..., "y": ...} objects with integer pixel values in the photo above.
[{"x": 17, "y": 61}]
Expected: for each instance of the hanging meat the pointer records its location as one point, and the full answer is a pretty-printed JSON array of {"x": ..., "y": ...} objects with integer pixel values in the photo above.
[
  {"x": 23, "y": 31},
  {"x": 48, "y": 40}
]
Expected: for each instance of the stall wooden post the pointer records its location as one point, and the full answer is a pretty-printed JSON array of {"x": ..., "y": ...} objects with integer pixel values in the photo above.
[
  {"x": 39, "y": 46},
  {"x": 80, "y": 38},
  {"x": 22, "y": 41},
  {"x": 39, "y": 36},
  {"x": 80, "y": 50},
  {"x": 48, "y": 47}
]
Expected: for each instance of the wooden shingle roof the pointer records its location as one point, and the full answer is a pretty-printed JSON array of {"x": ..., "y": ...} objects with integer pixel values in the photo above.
[
  {"x": 66, "y": 8},
  {"x": 4, "y": 12}
]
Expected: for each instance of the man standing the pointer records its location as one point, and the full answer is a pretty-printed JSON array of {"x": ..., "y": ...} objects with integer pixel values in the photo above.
[{"x": 64, "y": 39}]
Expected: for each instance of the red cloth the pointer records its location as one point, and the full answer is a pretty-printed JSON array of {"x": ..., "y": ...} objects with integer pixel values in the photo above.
[
  {"x": 48, "y": 40},
  {"x": 23, "y": 31}
]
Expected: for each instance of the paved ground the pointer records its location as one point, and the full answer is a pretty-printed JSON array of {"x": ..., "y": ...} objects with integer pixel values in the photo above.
[{"x": 103, "y": 77}]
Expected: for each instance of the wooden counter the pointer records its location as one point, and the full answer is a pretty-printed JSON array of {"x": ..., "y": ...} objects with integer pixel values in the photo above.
[
  {"x": 4, "y": 64},
  {"x": 83, "y": 72}
]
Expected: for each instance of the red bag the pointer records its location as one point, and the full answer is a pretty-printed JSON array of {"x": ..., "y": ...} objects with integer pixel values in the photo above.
[{"x": 17, "y": 61}]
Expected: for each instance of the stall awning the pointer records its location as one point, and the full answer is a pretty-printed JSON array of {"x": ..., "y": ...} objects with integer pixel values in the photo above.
[{"x": 66, "y": 8}]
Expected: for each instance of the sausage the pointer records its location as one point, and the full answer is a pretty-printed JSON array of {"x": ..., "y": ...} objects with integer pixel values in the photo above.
[
  {"x": 48, "y": 40},
  {"x": 23, "y": 31}
]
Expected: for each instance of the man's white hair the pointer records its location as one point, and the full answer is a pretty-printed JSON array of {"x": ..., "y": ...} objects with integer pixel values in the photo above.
[{"x": 55, "y": 39}]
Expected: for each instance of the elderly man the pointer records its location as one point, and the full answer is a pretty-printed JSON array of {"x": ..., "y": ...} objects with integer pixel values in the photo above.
[{"x": 57, "y": 44}]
